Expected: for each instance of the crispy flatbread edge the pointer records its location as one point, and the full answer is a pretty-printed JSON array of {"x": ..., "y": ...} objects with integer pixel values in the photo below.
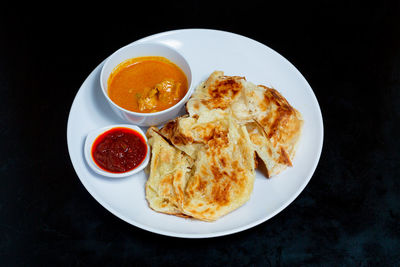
[
  {"x": 169, "y": 142},
  {"x": 179, "y": 214},
  {"x": 288, "y": 156}
]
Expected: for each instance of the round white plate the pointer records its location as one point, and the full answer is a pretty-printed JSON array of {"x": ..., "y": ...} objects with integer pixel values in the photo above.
[{"x": 206, "y": 51}]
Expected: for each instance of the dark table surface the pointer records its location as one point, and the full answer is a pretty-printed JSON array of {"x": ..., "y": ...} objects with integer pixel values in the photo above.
[{"x": 348, "y": 214}]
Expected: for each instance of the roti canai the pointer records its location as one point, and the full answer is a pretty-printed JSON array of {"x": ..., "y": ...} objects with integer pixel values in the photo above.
[
  {"x": 203, "y": 163},
  {"x": 274, "y": 125},
  {"x": 223, "y": 171}
]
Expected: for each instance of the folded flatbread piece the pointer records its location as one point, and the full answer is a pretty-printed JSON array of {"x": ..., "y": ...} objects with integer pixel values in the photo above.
[
  {"x": 203, "y": 164},
  {"x": 169, "y": 172},
  {"x": 274, "y": 125},
  {"x": 223, "y": 171},
  {"x": 224, "y": 168}
]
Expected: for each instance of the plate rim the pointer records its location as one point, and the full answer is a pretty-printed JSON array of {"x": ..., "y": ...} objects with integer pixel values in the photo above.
[{"x": 218, "y": 233}]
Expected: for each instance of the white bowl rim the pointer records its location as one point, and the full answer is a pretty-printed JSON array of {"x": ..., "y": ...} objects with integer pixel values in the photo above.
[
  {"x": 92, "y": 136},
  {"x": 138, "y": 43}
]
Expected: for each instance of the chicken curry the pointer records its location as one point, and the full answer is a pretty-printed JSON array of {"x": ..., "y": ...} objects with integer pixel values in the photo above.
[{"x": 147, "y": 84}]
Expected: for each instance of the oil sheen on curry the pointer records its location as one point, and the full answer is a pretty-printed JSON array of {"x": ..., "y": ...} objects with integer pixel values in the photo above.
[{"x": 147, "y": 84}]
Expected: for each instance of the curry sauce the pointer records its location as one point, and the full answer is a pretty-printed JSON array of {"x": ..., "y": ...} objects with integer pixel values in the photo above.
[{"x": 147, "y": 84}]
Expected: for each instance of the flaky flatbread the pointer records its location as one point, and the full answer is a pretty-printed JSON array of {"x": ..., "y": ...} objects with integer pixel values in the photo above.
[
  {"x": 169, "y": 172},
  {"x": 203, "y": 164},
  {"x": 223, "y": 171},
  {"x": 274, "y": 125}
]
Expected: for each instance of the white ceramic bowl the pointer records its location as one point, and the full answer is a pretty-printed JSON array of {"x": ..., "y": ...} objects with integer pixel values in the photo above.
[
  {"x": 141, "y": 50},
  {"x": 92, "y": 136}
]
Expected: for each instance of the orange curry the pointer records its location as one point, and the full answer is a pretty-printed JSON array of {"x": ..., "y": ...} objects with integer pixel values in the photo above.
[{"x": 147, "y": 84}]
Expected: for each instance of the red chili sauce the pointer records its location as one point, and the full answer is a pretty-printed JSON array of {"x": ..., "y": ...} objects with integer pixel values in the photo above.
[{"x": 119, "y": 150}]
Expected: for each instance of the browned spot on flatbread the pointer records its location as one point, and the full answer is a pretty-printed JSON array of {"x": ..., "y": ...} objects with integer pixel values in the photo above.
[
  {"x": 204, "y": 171},
  {"x": 178, "y": 176},
  {"x": 170, "y": 132},
  {"x": 222, "y": 92},
  {"x": 207, "y": 131},
  {"x": 201, "y": 185},
  {"x": 284, "y": 157},
  {"x": 223, "y": 161},
  {"x": 216, "y": 172},
  {"x": 218, "y": 141},
  {"x": 280, "y": 115},
  {"x": 220, "y": 194},
  {"x": 234, "y": 176},
  {"x": 204, "y": 102},
  {"x": 164, "y": 202},
  {"x": 269, "y": 151},
  {"x": 167, "y": 180},
  {"x": 227, "y": 87},
  {"x": 181, "y": 139},
  {"x": 235, "y": 164},
  {"x": 170, "y": 126}
]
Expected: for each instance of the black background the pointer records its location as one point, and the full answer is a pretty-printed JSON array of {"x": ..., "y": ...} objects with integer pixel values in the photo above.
[{"x": 349, "y": 213}]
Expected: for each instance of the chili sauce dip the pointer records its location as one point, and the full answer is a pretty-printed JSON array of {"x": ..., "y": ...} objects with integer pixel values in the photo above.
[
  {"x": 119, "y": 150},
  {"x": 147, "y": 84}
]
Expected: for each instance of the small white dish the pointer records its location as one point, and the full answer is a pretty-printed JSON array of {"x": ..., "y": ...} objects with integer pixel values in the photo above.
[
  {"x": 141, "y": 50},
  {"x": 91, "y": 138}
]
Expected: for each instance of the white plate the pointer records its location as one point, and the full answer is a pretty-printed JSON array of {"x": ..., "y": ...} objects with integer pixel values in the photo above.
[{"x": 206, "y": 50}]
